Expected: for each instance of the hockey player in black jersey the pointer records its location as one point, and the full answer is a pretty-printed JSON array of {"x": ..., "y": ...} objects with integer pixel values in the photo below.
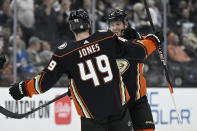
[
  {"x": 2, "y": 61},
  {"x": 132, "y": 72},
  {"x": 96, "y": 87}
]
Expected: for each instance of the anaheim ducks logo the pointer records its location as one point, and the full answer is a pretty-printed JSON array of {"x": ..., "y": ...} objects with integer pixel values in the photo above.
[
  {"x": 62, "y": 46},
  {"x": 123, "y": 65},
  {"x": 122, "y": 39},
  {"x": 102, "y": 30}
]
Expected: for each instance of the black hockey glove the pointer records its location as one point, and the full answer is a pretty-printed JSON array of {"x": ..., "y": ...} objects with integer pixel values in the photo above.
[
  {"x": 157, "y": 38},
  {"x": 130, "y": 34},
  {"x": 18, "y": 90},
  {"x": 2, "y": 61}
]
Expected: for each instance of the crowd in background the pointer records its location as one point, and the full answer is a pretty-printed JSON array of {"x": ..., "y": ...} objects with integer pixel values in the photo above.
[{"x": 43, "y": 24}]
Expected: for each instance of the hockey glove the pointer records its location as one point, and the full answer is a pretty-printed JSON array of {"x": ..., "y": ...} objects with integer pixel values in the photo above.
[
  {"x": 18, "y": 90},
  {"x": 130, "y": 34},
  {"x": 2, "y": 61},
  {"x": 157, "y": 38}
]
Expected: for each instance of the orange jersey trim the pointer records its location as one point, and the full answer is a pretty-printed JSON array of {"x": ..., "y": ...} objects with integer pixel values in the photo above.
[
  {"x": 149, "y": 44},
  {"x": 127, "y": 94},
  {"x": 140, "y": 82},
  {"x": 33, "y": 86},
  {"x": 79, "y": 110},
  {"x": 124, "y": 97},
  {"x": 30, "y": 88},
  {"x": 82, "y": 102}
]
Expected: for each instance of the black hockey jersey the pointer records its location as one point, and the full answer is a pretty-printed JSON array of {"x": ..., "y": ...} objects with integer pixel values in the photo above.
[
  {"x": 132, "y": 72},
  {"x": 96, "y": 85}
]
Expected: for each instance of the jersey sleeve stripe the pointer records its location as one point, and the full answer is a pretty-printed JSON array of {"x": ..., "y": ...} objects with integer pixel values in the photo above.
[
  {"x": 142, "y": 81},
  {"x": 84, "y": 46},
  {"x": 138, "y": 82},
  {"x": 36, "y": 84},
  {"x": 123, "y": 92},
  {"x": 77, "y": 105},
  {"x": 79, "y": 99},
  {"x": 40, "y": 80}
]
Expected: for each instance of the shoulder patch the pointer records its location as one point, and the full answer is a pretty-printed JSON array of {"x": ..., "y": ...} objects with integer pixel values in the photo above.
[
  {"x": 62, "y": 46},
  {"x": 102, "y": 30},
  {"x": 122, "y": 39}
]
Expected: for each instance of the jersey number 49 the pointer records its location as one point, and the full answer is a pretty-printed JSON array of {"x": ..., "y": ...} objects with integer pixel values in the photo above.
[{"x": 103, "y": 66}]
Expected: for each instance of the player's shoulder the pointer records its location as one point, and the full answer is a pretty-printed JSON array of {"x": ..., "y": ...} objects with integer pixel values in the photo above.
[
  {"x": 104, "y": 33},
  {"x": 63, "y": 49}
]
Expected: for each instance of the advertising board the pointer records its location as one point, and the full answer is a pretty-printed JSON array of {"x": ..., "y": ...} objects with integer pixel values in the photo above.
[{"x": 62, "y": 116}]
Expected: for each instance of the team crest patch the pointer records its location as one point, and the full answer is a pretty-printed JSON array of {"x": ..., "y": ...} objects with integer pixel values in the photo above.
[
  {"x": 122, "y": 39},
  {"x": 62, "y": 46},
  {"x": 123, "y": 65},
  {"x": 102, "y": 30}
]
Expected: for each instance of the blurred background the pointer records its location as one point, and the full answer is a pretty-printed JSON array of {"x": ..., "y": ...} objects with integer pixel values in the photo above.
[{"x": 31, "y": 29}]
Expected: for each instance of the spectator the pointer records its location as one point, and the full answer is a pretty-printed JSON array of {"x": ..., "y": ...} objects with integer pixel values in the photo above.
[
  {"x": 101, "y": 15},
  {"x": 155, "y": 14},
  {"x": 185, "y": 22},
  {"x": 1, "y": 42},
  {"x": 33, "y": 53},
  {"x": 4, "y": 17},
  {"x": 25, "y": 16},
  {"x": 37, "y": 3},
  {"x": 190, "y": 42},
  {"x": 130, "y": 13},
  {"x": 25, "y": 12},
  {"x": 175, "y": 52},
  {"x": 24, "y": 65},
  {"x": 140, "y": 19},
  {"x": 179, "y": 7},
  {"x": 6, "y": 9},
  {"x": 64, "y": 31},
  {"x": 193, "y": 11},
  {"x": 6, "y": 31},
  {"x": 46, "y": 52},
  {"x": 6, "y": 74},
  {"x": 46, "y": 22}
]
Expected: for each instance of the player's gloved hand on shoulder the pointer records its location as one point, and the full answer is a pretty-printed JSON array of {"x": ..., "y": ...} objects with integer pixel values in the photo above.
[
  {"x": 130, "y": 34},
  {"x": 18, "y": 90},
  {"x": 158, "y": 38},
  {"x": 2, "y": 61}
]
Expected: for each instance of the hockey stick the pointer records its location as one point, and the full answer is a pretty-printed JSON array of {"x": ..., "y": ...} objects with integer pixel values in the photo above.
[
  {"x": 162, "y": 60},
  {"x": 20, "y": 116}
]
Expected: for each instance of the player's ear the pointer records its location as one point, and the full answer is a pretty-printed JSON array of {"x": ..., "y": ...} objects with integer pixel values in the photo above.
[{"x": 126, "y": 24}]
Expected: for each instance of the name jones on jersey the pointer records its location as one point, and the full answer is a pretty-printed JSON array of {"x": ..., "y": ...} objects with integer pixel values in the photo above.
[{"x": 88, "y": 50}]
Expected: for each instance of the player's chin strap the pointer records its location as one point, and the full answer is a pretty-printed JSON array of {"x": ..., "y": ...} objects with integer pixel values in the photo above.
[
  {"x": 162, "y": 60},
  {"x": 20, "y": 116}
]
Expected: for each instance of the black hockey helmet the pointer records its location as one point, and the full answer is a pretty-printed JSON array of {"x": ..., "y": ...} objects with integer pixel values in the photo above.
[
  {"x": 116, "y": 15},
  {"x": 79, "y": 20}
]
